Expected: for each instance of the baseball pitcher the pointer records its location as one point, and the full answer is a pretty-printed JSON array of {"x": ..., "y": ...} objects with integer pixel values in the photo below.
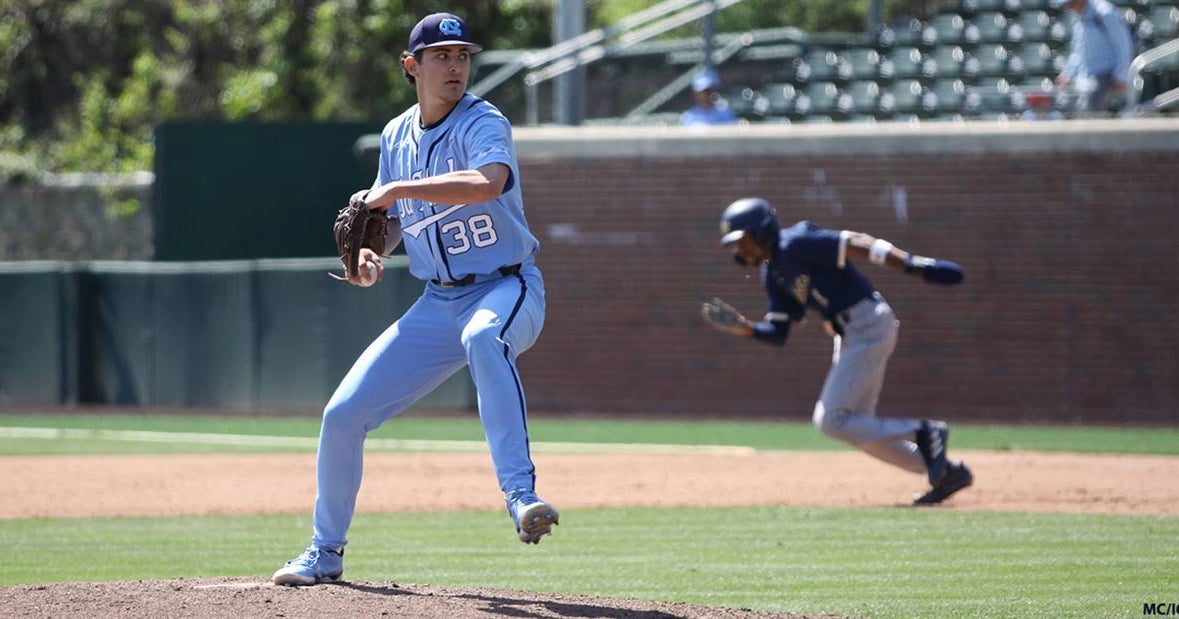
[{"x": 449, "y": 181}]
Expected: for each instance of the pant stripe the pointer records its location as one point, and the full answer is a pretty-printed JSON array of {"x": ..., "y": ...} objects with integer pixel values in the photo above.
[{"x": 515, "y": 374}]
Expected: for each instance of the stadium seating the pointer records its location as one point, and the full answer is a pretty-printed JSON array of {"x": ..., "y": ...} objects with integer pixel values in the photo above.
[
  {"x": 978, "y": 59},
  {"x": 988, "y": 27},
  {"x": 906, "y": 34},
  {"x": 1032, "y": 59},
  {"x": 1165, "y": 22},
  {"x": 945, "y": 97},
  {"x": 982, "y": 6},
  {"x": 991, "y": 60},
  {"x": 748, "y": 103},
  {"x": 902, "y": 63},
  {"x": 819, "y": 98},
  {"x": 1033, "y": 27},
  {"x": 826, "y": 65},
  {"x": 864, "y": 96},
  {"x": 944, "y": 29},
  {"x": 902, "y": 97},
  {"x": 993, "y": 97},
  {"x": 864, "y": 63},
  {"x": 1037, "y": 5},
  {"x": 945, "y": 61},
  {"x": 1037, "y": 82},
  {"x": 779, "y": 99}
]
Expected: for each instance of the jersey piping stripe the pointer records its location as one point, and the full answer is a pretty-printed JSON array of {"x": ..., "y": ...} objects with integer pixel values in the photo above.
[
  {"x": 434, "y": 208},
  {"x": 470, "y": 101},
  {"x": 442, "y": 253},
  {"x": 516, "y": 375},
  {"x": 417, "y": 137}
]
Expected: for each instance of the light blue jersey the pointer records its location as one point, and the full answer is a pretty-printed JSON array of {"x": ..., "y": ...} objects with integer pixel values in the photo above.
[
  {"x": 448, "y": 242},
  {"x": 483, "y": 307},
  {"x": 483, "y": 304}
]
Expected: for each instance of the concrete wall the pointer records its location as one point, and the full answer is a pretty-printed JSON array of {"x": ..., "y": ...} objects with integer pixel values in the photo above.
[{"x": 77, "y": 217}]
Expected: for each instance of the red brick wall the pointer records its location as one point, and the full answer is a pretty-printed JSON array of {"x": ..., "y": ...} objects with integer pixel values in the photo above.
[{"x": 1066, "y": 312}]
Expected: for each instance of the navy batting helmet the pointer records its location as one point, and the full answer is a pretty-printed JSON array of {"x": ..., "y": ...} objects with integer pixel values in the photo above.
[{"x": 753, "y": 216}]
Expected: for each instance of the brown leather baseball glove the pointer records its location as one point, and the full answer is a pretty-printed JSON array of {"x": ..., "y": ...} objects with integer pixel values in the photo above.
[{"x": 357, "y": 227}]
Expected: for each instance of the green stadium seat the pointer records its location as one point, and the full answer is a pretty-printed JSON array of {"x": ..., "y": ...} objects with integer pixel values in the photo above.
[
  {"x": 864, "y": 63},
  {"x": 902, "y": 63},
  {"x": 980, "y": 6},
  {"x": 826, "y": 65},
  {"x": 902, "y": 97},
  {"x": 818, "y": 98},
  {"x": 747, "y": 103},
  {"x": 945, "y": 96},
  {"x": 994, "y": 96},
  {"x": 1035, "y": 5},
  {"x": 988, "y": 60},
  {"x": 779, "y": 99},
  {"x": 1037, "y": 82},
  {"x": 945, "y": 61},
  {"x": 1032, "y": 59},
  {"x": 1031, "y": 27},
  {"x": 944, "y": 29},
  {"x": 905, "y": 34},
  {"x": 1165, "y": 22},
  {"x": 864, "y": 96},
  {"x": 988, "y": 27}
]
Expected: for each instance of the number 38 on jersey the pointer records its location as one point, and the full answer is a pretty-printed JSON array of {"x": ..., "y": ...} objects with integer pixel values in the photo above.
[{"x": 460, "y": 235}]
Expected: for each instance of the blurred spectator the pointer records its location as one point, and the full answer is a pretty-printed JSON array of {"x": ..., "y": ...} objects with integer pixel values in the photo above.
[
  {"x": 1099, "y": 58},
  {"x": 1040, "y": 108},
  {"x": 710, "y": 108}
]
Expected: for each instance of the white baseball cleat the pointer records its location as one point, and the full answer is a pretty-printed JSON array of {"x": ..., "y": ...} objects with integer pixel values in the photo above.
[
  {"x": 314, "y": 566},
  {"x": 533, "y": 517}
]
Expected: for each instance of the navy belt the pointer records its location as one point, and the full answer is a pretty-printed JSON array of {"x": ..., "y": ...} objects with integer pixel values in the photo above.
[
  {"x": 840, "y": 320},
  {"x": 472, "y": 278}
]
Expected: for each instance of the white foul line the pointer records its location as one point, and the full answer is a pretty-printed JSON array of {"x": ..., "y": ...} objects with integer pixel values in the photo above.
[{"x": 385, "y": 444}]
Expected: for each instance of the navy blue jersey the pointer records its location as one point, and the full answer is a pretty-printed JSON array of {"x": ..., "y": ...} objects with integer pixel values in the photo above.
[{"x": 809, "y": 268}]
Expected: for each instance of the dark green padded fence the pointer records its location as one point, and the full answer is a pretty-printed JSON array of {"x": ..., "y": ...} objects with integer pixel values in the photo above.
[
  {"x": 273, "y": 334},
  {"x": 228, "y": 191},
  {"x": 38, "y": 333}
]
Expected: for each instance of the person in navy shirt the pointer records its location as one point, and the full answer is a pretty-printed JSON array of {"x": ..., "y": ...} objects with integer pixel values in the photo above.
[
  {"x": 808, "y": 267},
  {"x": 710, "y": 107}
]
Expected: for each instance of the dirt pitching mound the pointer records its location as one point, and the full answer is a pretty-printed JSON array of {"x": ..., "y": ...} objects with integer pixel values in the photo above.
[{"x": 191, "y": 599}]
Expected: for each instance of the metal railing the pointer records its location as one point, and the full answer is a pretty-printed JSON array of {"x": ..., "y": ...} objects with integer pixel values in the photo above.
[
  {"x": 1134, "y": 82},
  {"x": 727, "y": 49},
  {"x": 586, "y": 48}
]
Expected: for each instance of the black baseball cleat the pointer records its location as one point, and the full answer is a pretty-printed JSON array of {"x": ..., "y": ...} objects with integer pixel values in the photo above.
[
  {"x": 931, "y": 442},
  {"x": 956, "y": 478}
]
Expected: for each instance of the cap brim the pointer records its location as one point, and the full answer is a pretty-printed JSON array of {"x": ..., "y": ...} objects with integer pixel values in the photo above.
[
  {"x": 474, "y": 48},
  {"x": 733, "y": 236}
]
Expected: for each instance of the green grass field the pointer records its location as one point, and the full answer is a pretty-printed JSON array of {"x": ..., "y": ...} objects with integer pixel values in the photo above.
[{"x": 878, "y": 562}]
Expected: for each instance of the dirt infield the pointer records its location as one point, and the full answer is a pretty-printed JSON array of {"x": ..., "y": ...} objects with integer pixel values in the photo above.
[{"x": 79, "y": 486}]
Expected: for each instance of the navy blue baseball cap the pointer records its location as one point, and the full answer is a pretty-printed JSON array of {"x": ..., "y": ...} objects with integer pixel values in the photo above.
[{"x": 441, "y": 29}]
